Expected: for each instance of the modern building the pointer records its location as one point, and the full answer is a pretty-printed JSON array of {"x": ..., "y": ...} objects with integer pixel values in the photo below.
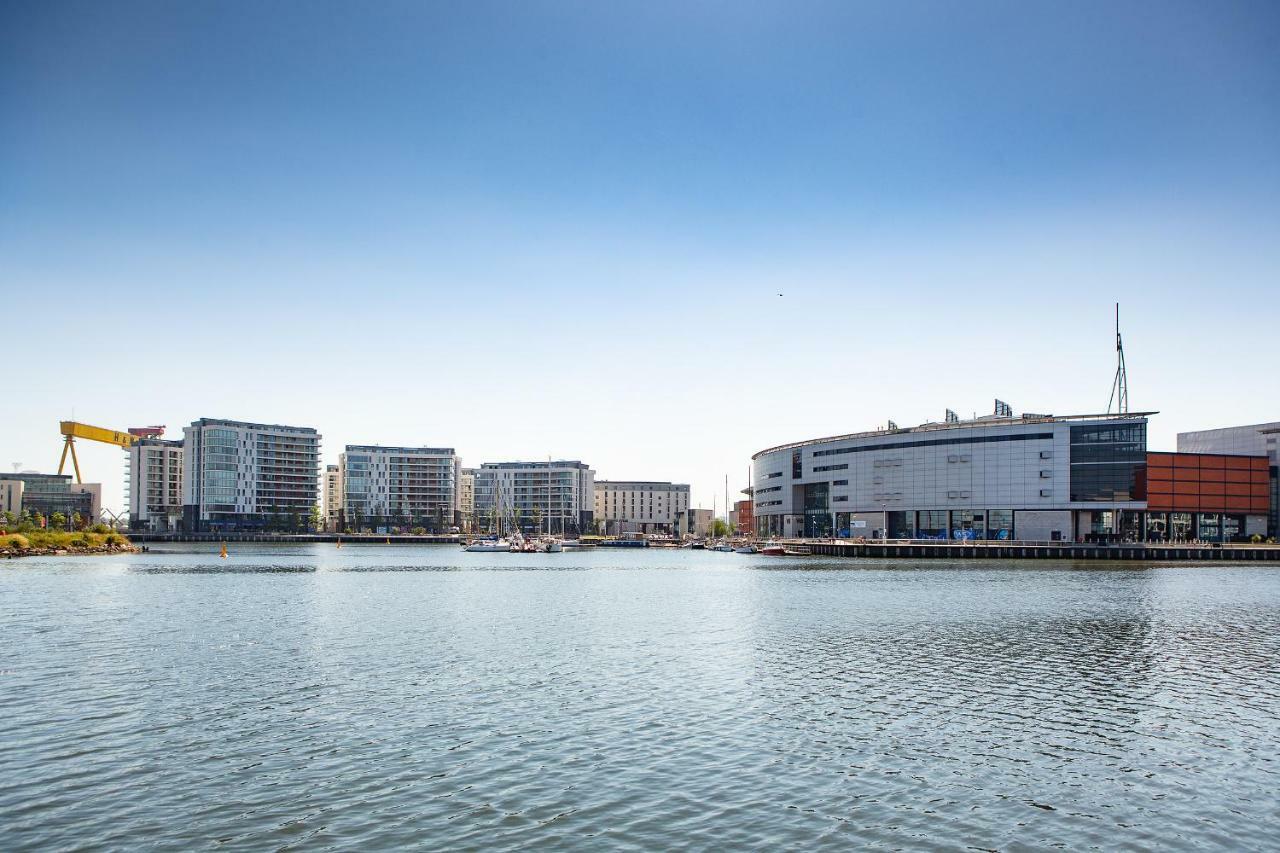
[
  {"x": 467, "y": 498},
  {"x": 331, "y": 497},
  {"x": 1249, "y": 440},
  {"x": 556, "y": 496},
  {"x": 742, "y": 519},
  {"x": 388, "y": 488},
  {"x": 1034, "y": 477},
  {"x": 695, "y": 522},
  {"x": 154, "y": 485},
  {"x": 1205, "y": 496},
  {"x": 51, "y": 493},
  {"x": 248, "y": 476},
  {"x": 639, "y": 506}
]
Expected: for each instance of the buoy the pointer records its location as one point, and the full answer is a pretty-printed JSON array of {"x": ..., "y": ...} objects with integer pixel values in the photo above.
[
  {"x": 339, "y": 543},
  {"x": 224, "y": 551}
]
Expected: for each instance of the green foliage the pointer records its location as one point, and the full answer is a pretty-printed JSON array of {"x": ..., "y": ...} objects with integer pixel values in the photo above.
[
  {"x": 14, "y": 542},
  {"x": 77, "y": 521},
  {"x": 419, "y": 531},
  {"x": 720, "y": 528},
  {"x": 113, "y": 539},
  {"x": 79, "y": 540},
  {"x": 10, "y": 519},
  {"x": 58, "y": 521},
  {"x": 100, "y": 528}
]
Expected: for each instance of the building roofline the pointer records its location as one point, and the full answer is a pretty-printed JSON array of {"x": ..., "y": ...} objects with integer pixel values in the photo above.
[
  {"x": 558, "y": 463},
  {"x": 379, "y": 448},
  {"x": 936, "y": 427},
  {"x": 642, "y": 483},
  {"x": 203, "y": 422}
]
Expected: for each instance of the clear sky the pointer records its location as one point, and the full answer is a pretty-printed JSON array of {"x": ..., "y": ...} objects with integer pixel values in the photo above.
[{"x": 526, "y": 229}]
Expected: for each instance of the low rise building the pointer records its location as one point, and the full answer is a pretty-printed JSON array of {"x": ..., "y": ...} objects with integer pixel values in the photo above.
[
  {"x": 556, "y": 496},
  {"x": 742, "y": 520},
  {"x": 154, "y": 485},
  {"x": 404, "y": 488},
  {"x": 639, "y": 506},
  {"x": 248, "y": 476},
  {"x": 698, "y": 523},
  {"x": 47, "y": 494}
]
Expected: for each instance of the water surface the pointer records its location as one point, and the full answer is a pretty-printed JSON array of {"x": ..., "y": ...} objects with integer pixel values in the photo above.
[{"x": 379, "y": 697}]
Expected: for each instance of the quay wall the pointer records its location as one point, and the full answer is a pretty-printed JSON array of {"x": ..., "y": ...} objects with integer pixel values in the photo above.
[{"x": 1043, "y": 551}]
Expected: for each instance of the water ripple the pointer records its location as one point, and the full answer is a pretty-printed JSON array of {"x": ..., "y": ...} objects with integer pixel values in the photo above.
[{"x": 378, "y": 698}]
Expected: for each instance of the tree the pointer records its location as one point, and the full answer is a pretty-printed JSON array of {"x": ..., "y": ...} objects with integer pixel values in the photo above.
[
  {"x": 37, "y": 518},
  {"x": 719, "y": 528},
  {"x": 77, "y": 521},
  {"x": 10, "y": 518},
  {"x": 313, "y": 517}
]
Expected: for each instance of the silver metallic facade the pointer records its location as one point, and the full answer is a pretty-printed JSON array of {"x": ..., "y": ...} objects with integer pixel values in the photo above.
[{"x": 1031, "y": 478}]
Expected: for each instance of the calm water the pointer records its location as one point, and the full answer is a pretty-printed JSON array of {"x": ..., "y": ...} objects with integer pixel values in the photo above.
[{"x": 382, "y": 697}]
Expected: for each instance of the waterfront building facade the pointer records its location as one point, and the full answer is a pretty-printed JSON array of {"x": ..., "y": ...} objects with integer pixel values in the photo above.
[
  {"x": 1250, "y": 440},
  {"x": 50, "y": 493},
  {"x": 331, "y": 495},
  {"x": 1034, "y": 477},
  {"x": 1205, "y": 496},
  {"x": 389, "y": 489},
  {"x": 639, "y": 506},
  {"x": 154, "y": 485},
  {"x": 557, "y": 496},
  {"x": 695, "y": 522},
  {"x": 467, "y": 498},
  {"x": 743, "y": 522},
  {"x": 248, "y": 476}
]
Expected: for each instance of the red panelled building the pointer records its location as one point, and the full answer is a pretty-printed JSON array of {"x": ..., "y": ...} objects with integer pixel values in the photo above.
[{"x": 1202, "y": 495}]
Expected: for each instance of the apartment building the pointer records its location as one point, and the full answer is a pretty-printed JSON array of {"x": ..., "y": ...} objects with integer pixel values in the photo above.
[
  {"x": 399, "y": 488},
  {"x": 331, "y": 493},
  {"x": 639, "y": 506},
  {"x": 154, "y": 485},
  {"x": 467, "y": 498},
  {"x": 248, "y": 476},
  {"x": 556, "y": 496}
]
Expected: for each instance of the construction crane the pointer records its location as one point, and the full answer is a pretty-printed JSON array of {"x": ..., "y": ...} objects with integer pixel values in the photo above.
[{"x": 71, "y": 430}]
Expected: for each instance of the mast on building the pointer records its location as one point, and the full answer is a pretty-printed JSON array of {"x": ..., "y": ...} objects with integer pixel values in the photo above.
[{"x": 1120, "y": 387}]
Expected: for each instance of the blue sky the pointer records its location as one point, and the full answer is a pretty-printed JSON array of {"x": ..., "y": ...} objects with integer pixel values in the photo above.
[{"x": 531, "y": 229}]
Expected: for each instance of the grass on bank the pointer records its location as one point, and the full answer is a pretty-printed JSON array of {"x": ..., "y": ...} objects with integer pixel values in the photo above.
[{"x": 38, "y": 540}]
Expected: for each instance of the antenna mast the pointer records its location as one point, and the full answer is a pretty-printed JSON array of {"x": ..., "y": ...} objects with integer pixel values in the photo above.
[{"x": 1120, "y": 387}]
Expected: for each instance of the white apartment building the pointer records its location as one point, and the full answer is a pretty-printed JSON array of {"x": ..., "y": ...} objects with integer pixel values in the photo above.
[
  {"x": 639, "y": 506},
  {"x": 331, "y": 495},
  {"x": 467, "y": 498},
  {"x": 387, "y": 488},
  {"x": 557, "y": 497},
  {"x": 154, "y": 485},
  {"x": 247, "y": 476}
]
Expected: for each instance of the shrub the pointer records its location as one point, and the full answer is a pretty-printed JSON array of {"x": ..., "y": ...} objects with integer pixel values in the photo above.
[
  {"x": 79, "y": 542},
  {"x": 15, "y": 542},
  {"x": 100, "y": 528},
  {"x": 113, "y": 539}
]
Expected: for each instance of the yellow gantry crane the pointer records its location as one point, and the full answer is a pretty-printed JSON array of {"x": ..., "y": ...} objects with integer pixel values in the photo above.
[{"x": 71, "y": 430}]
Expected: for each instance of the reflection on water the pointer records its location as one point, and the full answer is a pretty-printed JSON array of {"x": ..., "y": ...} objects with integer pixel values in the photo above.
[{"x": 379, "y": 697}]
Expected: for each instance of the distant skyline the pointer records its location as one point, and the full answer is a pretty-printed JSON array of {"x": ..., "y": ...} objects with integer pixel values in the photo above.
[{"x": 560, "y": 229}]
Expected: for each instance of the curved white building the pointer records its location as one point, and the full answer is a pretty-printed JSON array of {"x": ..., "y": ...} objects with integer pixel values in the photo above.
[{"x": 1034, "y": 477}]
